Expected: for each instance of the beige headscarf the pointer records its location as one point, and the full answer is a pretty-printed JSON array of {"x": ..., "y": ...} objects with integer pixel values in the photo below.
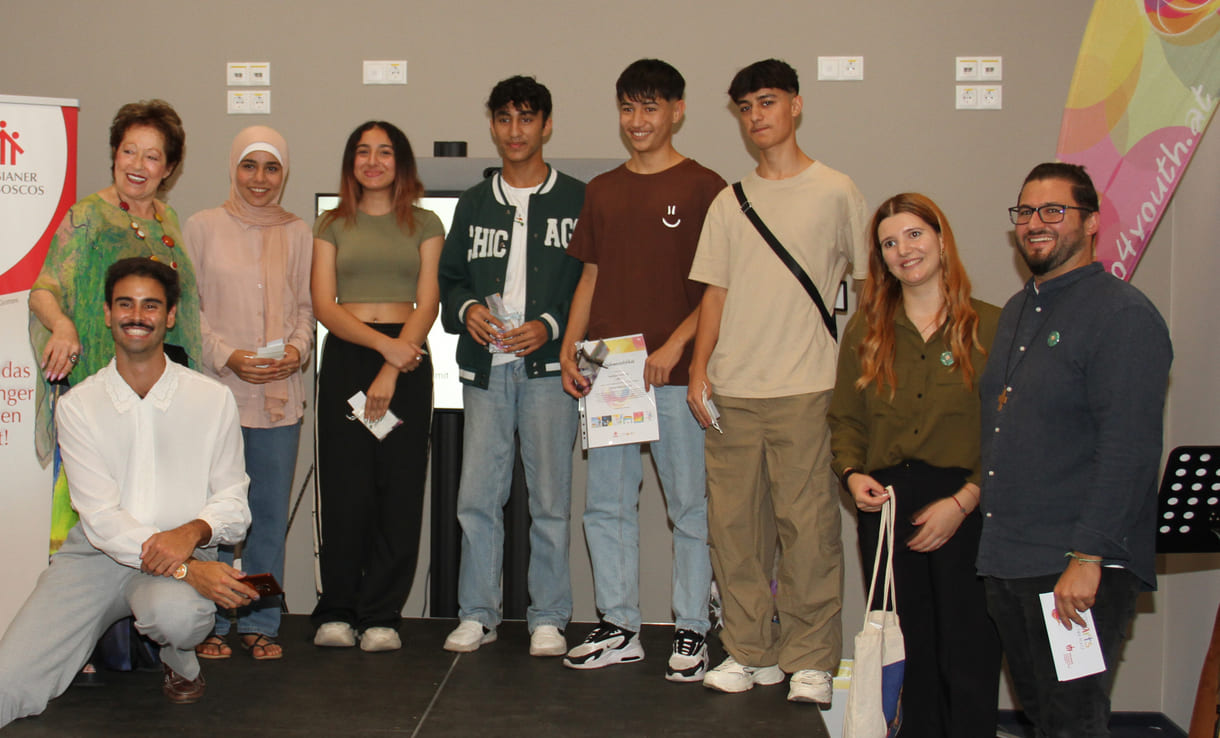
[{"x": 272, "y": 219}]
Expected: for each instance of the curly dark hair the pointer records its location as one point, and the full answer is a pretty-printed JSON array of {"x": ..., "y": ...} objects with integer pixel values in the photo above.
[
  {"x": 142, "y": 266},
  {"x": 526, "y": 93}
]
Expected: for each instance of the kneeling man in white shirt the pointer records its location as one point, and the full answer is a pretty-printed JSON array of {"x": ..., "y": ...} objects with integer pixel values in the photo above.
[{"x": 153, "y": 455}]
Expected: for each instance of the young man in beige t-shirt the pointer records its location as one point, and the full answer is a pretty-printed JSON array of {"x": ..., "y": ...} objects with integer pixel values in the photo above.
[{"x": 764, "y": 355}]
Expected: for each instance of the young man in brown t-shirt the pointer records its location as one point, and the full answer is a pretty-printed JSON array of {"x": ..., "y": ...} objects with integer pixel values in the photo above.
[{"x": 637, "y": 236}]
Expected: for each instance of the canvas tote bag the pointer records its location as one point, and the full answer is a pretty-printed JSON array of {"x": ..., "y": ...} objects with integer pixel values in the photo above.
[{"x": 874, "y": 702}]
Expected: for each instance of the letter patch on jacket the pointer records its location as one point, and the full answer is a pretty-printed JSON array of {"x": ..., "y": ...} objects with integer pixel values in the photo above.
[
  {"x": 559, "y": 232},
  {"x": 487, "y": 242}
]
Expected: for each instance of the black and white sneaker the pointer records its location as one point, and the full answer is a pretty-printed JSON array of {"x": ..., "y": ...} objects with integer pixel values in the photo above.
[
  {"x": 606, "y": 645},
  {"x": 688, "y": 661}
]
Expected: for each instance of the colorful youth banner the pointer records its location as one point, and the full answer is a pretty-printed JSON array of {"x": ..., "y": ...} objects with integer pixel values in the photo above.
[{"x": 1145, "y": 87}]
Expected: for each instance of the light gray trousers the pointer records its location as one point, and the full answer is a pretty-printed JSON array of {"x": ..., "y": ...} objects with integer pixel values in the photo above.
[{"x": 76, "y": 599}]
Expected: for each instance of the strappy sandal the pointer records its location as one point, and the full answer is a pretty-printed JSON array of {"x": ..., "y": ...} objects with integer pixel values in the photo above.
[
  {"x": 257, "y": 644},
  {"x": 213, "y": 647}
]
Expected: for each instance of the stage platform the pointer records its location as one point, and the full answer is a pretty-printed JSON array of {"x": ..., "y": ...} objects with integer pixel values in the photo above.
[{"x": 424, "y": 690}]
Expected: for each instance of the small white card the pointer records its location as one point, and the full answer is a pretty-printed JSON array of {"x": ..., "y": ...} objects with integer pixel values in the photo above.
[
  {"x": 273, "y": 350},
  {"x": 382, "y": 427},
  {"x": 1077, "y": 652}
]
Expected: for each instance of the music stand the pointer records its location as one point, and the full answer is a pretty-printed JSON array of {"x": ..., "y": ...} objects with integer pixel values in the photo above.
[
  {"x": 1188, "y": 521},
  {"x": 1188, "y": 507}
]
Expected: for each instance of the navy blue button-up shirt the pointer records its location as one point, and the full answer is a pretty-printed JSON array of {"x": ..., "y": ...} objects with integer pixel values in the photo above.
[{"x": 1072, "y": 404}]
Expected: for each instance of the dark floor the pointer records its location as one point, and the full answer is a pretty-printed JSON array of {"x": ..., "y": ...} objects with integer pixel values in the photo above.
[
  {"x": 1122, "y": 725},
  {"x": 423, "y": 690}
]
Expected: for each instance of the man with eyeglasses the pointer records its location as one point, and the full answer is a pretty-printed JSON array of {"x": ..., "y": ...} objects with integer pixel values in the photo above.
[{"x": 1073, "y": 397}]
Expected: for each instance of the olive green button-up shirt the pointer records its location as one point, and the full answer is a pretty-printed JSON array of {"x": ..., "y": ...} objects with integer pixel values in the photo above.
[{"x": 932, "y": 416}]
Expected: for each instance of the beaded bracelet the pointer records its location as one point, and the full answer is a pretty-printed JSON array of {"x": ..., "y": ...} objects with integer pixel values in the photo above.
[{"x": 1081, "y": 559}]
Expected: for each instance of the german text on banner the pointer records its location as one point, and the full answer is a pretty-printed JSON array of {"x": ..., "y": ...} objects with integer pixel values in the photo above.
[
  {"x": 37, "y": 186},
  {"x": 1145, "y": 87}
]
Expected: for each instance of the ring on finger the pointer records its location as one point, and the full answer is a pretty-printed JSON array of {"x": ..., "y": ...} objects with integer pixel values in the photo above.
[{"x": 74, "y": 357}]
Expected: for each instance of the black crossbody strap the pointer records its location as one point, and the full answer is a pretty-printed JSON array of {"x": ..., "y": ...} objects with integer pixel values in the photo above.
[{"x": 786, "y": 257}]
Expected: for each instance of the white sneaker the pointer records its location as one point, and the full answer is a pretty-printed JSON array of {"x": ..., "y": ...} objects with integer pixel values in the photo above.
[
  {"x": 811, "y": 685},
  {"x": 547, "y": 640},
  {"x": 606, "y": 645},
  {"x": 380, "y": 638},
  {"x": 688, "y": 660},
  {"x": 733, "y": 677},
  {"x": 335, "y": 635},
  {"x": 468, "y": 636}
]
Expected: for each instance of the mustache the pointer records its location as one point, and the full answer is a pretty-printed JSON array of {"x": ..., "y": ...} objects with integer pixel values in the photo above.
[{"x": 136, "y": 324}]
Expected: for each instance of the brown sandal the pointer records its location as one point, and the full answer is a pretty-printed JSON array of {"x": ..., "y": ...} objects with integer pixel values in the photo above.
[
  {"x": 257, "y": 644},
  {"x": 213, "y": 647}
]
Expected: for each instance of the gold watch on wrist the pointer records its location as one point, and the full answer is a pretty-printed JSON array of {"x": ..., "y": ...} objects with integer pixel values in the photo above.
[{"x": 180, "y": 572}]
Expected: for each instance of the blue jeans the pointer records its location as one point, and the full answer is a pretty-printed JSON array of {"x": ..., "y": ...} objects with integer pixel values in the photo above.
[
  {"x": 612, "y": 518},
  {"x": 545, "y": 418},
  {"x": 271, "y": 460},
  {"x": 1079, "y": 708}
]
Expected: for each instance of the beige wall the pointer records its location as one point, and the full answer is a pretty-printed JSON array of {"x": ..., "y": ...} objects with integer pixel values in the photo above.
[{"x": 895, "y": 131}]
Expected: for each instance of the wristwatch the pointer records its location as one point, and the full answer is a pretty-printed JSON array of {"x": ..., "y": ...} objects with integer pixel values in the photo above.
[{"x": 180, "y": 572}]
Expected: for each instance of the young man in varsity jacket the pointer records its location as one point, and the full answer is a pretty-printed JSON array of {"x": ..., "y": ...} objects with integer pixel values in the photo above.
[{"x": 506, "y": 283}]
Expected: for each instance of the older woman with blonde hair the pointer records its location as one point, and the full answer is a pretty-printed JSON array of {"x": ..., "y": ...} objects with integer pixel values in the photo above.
[{"x": 905, "y": 415}]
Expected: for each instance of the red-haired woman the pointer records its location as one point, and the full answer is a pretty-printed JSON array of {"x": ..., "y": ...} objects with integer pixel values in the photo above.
[{"x": 905, "y": 413}]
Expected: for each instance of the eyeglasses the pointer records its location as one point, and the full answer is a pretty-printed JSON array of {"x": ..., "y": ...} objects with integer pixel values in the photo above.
[{"x": 1022, "y": 214}]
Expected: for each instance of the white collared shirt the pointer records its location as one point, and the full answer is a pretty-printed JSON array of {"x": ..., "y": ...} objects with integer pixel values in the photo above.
[{"x": 138, "y": 466}]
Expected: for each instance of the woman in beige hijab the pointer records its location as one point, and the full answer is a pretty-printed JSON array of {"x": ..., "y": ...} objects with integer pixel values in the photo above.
[{"x": 252, "y": 260}]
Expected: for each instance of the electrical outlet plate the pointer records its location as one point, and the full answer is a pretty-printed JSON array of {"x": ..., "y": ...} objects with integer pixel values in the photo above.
[
  {"x": 967, "y": 68},
  {"x": 852, "y": 68},
  {"x": 247, "y": 74},
  {"x": 260, "y": 74},
  {"x": 236, "y": 74},
  {"x": 991, "y": 68},
  {"x": 238, "y": 103},
  {"x": 260, "y": 102},
  {"x": 830, "y": 68},
  {"x": 838, "y": 68},
  {"x": 967, "y": 97},
  {"x": 385, "y": 72},
  {"x": 249, "y": 102},
  {"x": 978, "y": 97},
  {"x": 991, "y": 97}
]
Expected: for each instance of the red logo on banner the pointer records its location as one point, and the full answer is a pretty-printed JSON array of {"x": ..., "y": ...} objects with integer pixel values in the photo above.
[
  {"x": 8, "y": 145},
  {"x": 30, "y": 183}
]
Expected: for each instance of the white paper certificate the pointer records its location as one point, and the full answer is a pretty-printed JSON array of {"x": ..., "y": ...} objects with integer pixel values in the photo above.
[
  {"x": 382, "y": 427},
  {"x": 618, "y": 410},
  {"x": 1077, "y": 652}
]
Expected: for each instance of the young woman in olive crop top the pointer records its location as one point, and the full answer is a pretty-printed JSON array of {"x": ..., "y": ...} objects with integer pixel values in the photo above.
[{"x": 375, "y": 289}]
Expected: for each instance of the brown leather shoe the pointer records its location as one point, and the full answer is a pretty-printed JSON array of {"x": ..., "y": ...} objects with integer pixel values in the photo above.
[{"x": 180, "y": 690}]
